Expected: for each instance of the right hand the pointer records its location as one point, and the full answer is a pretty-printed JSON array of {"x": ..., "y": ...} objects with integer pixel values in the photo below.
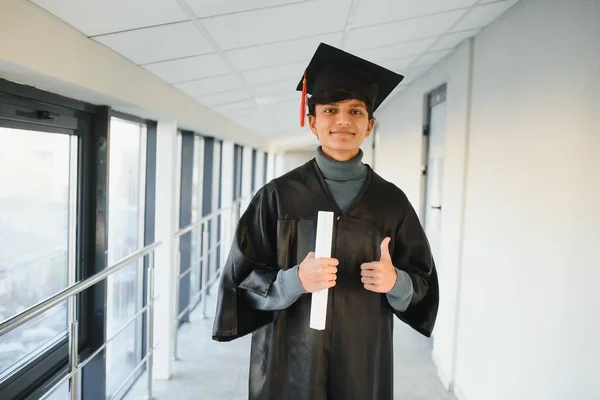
[{"x": 316, "y": 274}]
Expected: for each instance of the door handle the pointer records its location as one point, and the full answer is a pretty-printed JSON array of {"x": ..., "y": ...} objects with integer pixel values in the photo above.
[{"x": 436, "y": 207}]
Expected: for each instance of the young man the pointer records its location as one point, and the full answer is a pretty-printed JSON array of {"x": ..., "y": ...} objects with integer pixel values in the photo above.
[{"x": 381, "y": 266}]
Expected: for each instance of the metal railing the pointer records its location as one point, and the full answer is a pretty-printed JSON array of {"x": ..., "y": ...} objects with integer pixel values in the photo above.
[
  {"x": 201, "y": 264},
  {"x": 69, "y": 294}
]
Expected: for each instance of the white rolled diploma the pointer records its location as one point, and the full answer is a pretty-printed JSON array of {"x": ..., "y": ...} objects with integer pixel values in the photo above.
[{"x": 318, "y": 306}]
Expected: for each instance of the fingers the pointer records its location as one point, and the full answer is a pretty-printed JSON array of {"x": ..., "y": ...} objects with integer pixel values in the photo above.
[{"x": 385, "y": 249}]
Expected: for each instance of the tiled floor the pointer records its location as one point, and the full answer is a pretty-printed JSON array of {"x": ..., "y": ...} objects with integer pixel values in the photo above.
[{"x": 209, "y": 370}]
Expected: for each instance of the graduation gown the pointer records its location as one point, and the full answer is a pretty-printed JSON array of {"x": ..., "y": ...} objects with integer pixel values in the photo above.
[{"x": 353, "y": 357}]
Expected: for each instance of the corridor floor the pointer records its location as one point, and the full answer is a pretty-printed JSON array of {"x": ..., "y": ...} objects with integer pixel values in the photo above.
[{"x": 209, "y": 370}]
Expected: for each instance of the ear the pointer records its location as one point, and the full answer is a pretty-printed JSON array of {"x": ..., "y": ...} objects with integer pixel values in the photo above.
[
  {"x": 312, "y": 122},
  {"x": 370, "y": 127}
]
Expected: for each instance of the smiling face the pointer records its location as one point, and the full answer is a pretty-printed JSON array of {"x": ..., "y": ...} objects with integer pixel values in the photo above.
[{"x": 341, "y": 127}]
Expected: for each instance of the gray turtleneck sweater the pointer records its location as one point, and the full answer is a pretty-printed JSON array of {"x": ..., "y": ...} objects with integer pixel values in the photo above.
[{"x": 345, "y": 181}]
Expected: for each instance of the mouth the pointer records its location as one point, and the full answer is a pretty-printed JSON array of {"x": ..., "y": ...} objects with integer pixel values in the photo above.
[{"x": 343, "y": 133}]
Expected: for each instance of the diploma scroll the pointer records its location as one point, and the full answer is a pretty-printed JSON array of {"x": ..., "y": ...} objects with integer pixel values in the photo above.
[{"x": 318, "y": 307}]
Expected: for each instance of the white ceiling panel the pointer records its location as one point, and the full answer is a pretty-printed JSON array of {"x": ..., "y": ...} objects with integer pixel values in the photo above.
[
  {"x": 257, "y": 122},
  {"x": 452, "y": 40},
  {"x": 274, "y": 74},
  {"x": 208, "y": 86},
  {"x": 235, "y": 106},
  {"x": 278, "y": 24},
  {"x": 399, "y": 66},
  {"x": 187, "y": 69},
  {"x": 403, "y": 31},
  {"x": 209, "y": 8},
  {"x": 287, "y": 114},
  {"x": 93, "y": 17},
  {"x": 159, "y": 43},
  {"x": 280, "y": 98},
  {"x": 431, "y": 58},
  {"x": 280, "y": 53},
  {"x": 274, "y": 88},
  {"x": 372, "y": 12},
  {"x": 397, "y": 51},
  {"x": 483, "y": 15},
  {"x": 224, "y": 98}
]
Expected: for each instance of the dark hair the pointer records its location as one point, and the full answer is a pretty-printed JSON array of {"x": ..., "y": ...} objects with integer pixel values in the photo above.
[{"x": 334, "y": 96}]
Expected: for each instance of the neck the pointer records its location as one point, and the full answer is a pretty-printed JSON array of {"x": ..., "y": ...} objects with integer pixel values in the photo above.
[
  {"x": 340, "y": 170},
  {"x": 340, "y": 155}
]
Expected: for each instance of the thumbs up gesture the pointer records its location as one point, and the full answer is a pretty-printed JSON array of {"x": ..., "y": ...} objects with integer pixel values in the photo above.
[{"x": 380, "y": 276}]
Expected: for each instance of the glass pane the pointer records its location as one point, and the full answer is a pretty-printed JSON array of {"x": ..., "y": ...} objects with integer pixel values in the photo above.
[
  {"x": 62, "y": 393},
  {"x": 196, "y": 216},
  {"x": 125, "y": 236},
  {"x": 34, "y": 232}
]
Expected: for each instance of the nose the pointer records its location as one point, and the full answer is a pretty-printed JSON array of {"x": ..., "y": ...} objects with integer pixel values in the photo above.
[{"x": 342, "y": 119}]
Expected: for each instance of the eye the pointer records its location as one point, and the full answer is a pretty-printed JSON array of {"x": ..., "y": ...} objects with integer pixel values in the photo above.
[
  {"x": 329, "y": 110},
  {"x": 357, "y": 112}
]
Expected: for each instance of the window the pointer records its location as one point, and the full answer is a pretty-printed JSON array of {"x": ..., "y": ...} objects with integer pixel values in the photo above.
[
  {"x": 36, "y": 205},
  {"x": 197, "y": 197},
  {"x": 126, "y": 183}
]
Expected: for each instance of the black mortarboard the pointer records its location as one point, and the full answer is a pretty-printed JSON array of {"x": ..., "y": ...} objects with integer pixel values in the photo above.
[{"x": 331, "y": 68}]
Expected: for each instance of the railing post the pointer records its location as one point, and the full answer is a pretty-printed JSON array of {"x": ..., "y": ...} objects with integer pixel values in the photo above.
[
  {"x": 150, "y": 323},
  {"x": 74, "y": 357},
  {"x": 205, "y": 264},
  {"x": 175, "y": 322}
]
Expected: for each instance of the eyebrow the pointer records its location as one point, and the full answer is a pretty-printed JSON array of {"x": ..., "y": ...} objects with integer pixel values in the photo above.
[{"x": 351, "y": 104}]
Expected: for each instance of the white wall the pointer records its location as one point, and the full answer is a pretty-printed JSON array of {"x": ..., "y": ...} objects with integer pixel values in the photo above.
[
  {"x": 528, "y": 323},
  {"x": 293, "y": 159}
]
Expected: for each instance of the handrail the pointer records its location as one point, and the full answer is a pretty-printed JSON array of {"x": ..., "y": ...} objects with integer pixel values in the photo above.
[
  {"x": 43, "y": 306},
  {"x": 205, "y": 219},
  {"x": 226, "y": 235},
  {"x": 67, "y": 294}
]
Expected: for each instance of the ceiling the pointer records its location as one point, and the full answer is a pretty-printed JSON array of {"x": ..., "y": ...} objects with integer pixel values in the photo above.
[{"x": 244, "y": 58}]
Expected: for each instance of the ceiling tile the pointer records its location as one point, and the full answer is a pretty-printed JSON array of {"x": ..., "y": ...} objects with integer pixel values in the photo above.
[
  {"x": 482, "y": 15},
  {"x": 209, "y": 8},
  {"x": 235, "y": 106},
  {"x": 399, "y": 66},
  {"x": 207, "y": 86},
  {"x": 187, "y": 69},
  {"x": 396, "y": 51},
  {"x": 403, "y": 31},
  {"x": 373, "y": 12},
  {"x": 224, "y": 98},
  {"x": 147, "y": 45},
  {"x": 93, "y": 17},
  {"x": 278, "y": 99},
  {"x": 257, "y": 123},
  {"x": 431, "y": 58},
  {"x": 451, "y": 40},
  {"x": 274, "y": 74},
  {"x": 280, "y": 53},
  {"x": 278, "y": 24},
  {"x": 274, "y": 88}
]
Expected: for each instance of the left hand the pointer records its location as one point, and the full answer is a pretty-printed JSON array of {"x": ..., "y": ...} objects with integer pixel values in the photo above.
[{"x": 380, "y": 276}]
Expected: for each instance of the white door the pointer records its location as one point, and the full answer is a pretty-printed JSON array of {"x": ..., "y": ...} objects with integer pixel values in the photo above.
[{"x": 435, "y": 170}]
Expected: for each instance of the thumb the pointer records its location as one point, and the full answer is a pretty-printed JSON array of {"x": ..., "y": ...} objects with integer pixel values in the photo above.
[
  {"x": 309, "y": 256},
  {"x": 385, "y": 249}
]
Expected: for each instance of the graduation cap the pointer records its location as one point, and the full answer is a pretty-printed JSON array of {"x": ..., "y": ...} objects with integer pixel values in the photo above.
[{"x": 332, "y": 68}]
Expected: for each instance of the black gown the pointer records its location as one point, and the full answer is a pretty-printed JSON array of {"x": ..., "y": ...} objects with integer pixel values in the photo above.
[{"x": 353, "y": 357}]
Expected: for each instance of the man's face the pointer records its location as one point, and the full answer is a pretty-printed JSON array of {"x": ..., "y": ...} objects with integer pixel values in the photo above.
[{"x": 341, "y": 127}]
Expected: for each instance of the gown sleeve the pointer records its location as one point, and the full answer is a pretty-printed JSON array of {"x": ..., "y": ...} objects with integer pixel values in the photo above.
[
  {"x": 253, "y": 288},
  {"x": 412, "y": 254},
  {"x": 284, "y": 291}
]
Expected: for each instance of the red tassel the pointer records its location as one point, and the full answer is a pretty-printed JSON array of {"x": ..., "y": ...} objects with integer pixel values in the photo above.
[{"x": 303, "y": 102}]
